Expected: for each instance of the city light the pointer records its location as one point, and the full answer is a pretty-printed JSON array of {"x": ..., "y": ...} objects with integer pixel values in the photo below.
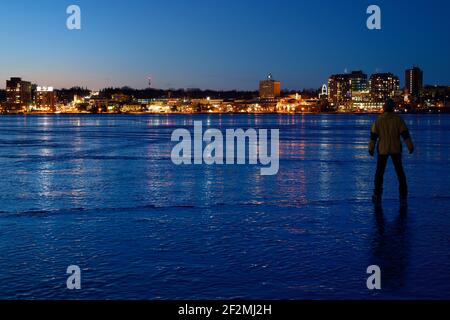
[{"x": 353, "y": 92}]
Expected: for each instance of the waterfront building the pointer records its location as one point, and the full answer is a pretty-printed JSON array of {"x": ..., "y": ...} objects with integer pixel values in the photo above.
[
  {"x": 132, "y": 108},
  {"x": 120, "y": 98},
  {"x": 359, "y": 91},
  {"x": 339, "y": 90},
  {"x": 45, "y": 99},
  {"x": 99, "y": 104},
  {"x": 270, "y": 88},
  {"x": 436, "y": 96},
  {"x": 414, "y": 82},
  {"x": 358, "y": 81},
  {"x": 383, "y": 86},
  {"x": 18, "y": 95}
]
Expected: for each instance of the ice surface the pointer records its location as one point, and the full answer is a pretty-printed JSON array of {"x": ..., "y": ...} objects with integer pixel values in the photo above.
[{"x": 101, "y": 192}]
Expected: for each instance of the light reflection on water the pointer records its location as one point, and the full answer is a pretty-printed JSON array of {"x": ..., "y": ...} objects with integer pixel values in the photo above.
[{"x": 101, "y": 192}]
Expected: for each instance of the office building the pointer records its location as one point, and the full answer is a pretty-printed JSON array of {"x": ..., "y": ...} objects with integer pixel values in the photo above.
[
  {"x": 339, "y": 90},
  {"x": 383, "y": 86},
  {"x": 414, "y": 82},
  {"x": 18, "y": 95},
  {"x": 358, "y": 81},
  {"x": 358, "y": 87},
  {"x": 45, "y": 99},
  {"x": 270, "y": 88}
]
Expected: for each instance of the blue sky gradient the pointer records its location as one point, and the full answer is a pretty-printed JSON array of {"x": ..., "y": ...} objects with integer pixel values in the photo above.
[{"x": 219, "y": 44}]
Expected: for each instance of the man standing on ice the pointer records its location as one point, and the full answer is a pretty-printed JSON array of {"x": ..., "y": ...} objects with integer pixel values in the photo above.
[{"x": 387, "y": 130}]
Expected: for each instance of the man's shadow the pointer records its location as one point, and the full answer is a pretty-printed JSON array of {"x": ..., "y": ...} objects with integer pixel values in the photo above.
[{"x": 391, "y": 248}]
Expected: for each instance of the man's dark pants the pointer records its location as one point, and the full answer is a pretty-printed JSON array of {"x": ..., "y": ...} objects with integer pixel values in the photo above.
[{"x": 379, "y": 176}]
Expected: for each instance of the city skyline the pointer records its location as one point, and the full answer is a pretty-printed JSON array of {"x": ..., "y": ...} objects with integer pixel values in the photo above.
[
  {"x": 350, "y": 92},
  {"x": 220, "y": 46},
  {"x": 402, "y": 82}
]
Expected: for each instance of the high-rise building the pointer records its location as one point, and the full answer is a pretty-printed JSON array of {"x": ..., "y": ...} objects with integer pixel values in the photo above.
[
  {"x": 18, "y": 95},
  {"x": 339, "y": 89},
  {"x": 383, "y": 86},
  {"x": 358, "y": 81},
  {"x": 358, "y": 87},
  {"x": 270, "y": 88},
  {"x": 414, "y": 81},
  {"x": 45, "y": 99}
]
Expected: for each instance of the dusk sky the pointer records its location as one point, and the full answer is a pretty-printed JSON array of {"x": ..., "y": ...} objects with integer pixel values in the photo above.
[{"x": 219, "y": 44}]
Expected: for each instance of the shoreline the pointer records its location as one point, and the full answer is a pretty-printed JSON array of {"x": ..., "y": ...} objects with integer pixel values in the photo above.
[{"x": 424, "y": 112}]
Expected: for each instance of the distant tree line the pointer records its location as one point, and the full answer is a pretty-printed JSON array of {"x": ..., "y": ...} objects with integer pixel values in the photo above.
[
  {"x": 66, "y": 95},
  {"x": 305, "y": 93},
  {"x": 151, "y": 93}
]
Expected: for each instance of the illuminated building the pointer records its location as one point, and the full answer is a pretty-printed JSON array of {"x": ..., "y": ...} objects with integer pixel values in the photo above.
[
  {"x": 339, "y": 90},
  {"x": 132, "y": 108},
  {"x": 98, "y": 104},
  {"x": 269, "y": 89},
  {"x": 358, "y": 81},
  {"x": 383, "y": 86},
  {"x": 352, "y": 92},
  {"x": 45, "y": 99},
  {"x": 120, "y": 97},
  {"x": 358, "y": 89},
  {"x": 414, "y": 82},
  {"x": 18, "y": 95}
]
